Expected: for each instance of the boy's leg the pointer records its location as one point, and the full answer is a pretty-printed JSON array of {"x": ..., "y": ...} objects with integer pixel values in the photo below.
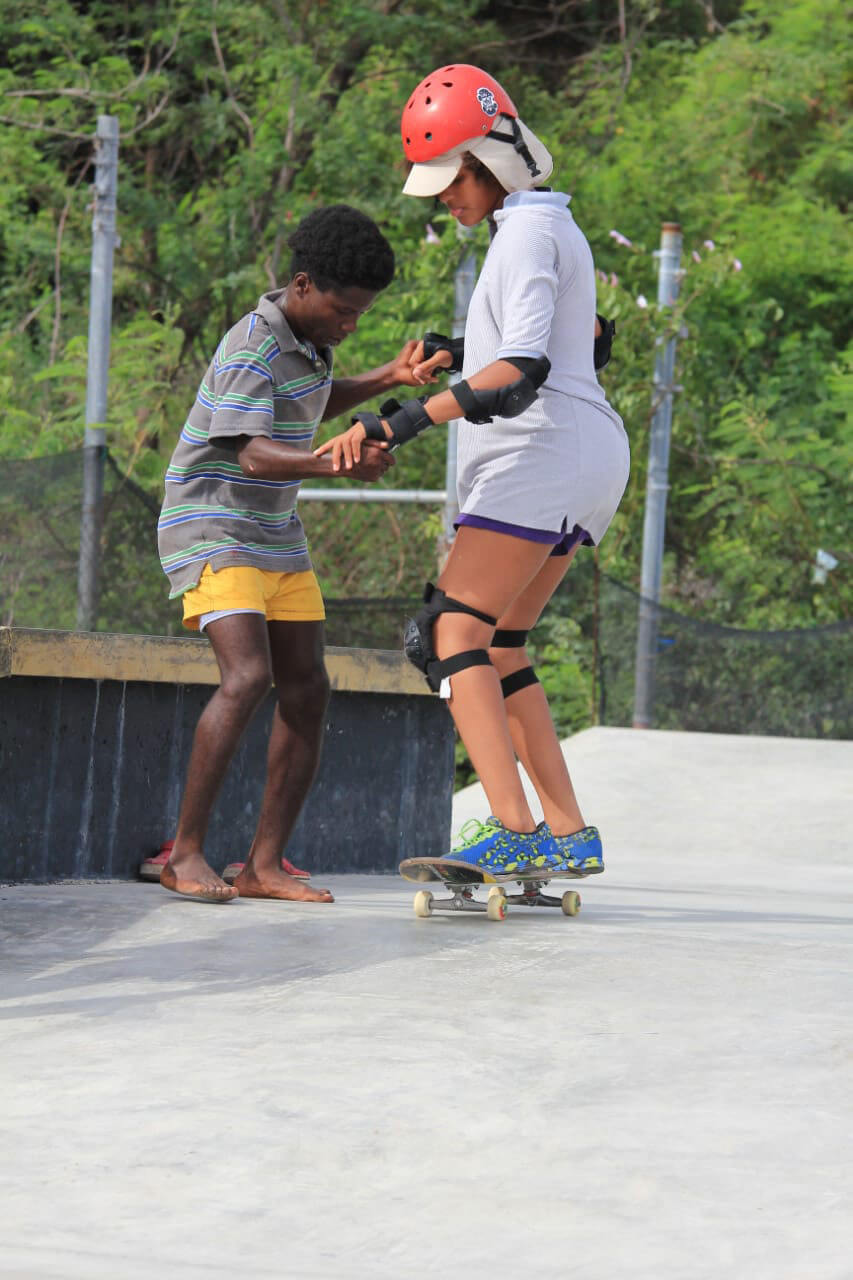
[
  {"x": 302, "y": 695},
  {"x": 531, "y": 727},
  {"x": 241, "y": 645}
]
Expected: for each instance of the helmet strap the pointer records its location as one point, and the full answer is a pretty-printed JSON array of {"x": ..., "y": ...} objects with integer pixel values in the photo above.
[{"x": 517, "y": 141}]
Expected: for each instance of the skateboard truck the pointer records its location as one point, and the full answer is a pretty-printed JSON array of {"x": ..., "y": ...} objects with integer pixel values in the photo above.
[
  {"x": 495, "y": 907},
  {"x": 463, "y": 900},
  {"x": 532, "y": 896}
]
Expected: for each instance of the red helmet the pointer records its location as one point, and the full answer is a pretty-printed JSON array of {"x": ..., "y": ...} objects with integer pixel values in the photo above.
[{"x": 449, "y": 107}]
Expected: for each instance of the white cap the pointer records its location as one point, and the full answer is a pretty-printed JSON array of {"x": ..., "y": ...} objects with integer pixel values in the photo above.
[{"x": 500, "y": 158}]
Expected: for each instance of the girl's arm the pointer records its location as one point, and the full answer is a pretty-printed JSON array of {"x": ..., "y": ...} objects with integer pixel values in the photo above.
[
  {"x": 442, "y": 407},
  {"x": 347, "y": 393}
]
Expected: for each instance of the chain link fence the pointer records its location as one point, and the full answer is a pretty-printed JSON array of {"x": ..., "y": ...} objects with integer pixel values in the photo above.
[{"x": 710, "y": 678}]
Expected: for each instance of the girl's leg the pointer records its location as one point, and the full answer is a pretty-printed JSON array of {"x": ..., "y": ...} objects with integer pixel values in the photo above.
[
  {"x": 487, "y": 571},
  {"x": 531, "y": 727}
]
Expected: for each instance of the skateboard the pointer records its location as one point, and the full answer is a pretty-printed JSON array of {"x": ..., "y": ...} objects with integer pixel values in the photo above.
[{"x": 462, "y": 879}]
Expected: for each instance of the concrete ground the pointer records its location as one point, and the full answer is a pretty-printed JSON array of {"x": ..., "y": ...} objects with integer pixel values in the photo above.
[{"x": 659, "y": 1088}]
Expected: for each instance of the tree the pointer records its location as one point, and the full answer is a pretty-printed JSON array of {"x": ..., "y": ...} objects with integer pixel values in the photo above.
[{"x": 237, "y": 118}]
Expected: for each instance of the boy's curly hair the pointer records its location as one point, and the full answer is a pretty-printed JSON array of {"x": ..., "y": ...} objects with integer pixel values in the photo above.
[{"x": 339, "y": 247}]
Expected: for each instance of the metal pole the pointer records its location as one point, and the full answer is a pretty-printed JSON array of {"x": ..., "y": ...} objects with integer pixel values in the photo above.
[
  {"x": 657, "y": 485},
  {"x": 373, "y": 495},
  {"x": 463, "y": 287},
  {"x": 100, "y": 318}
]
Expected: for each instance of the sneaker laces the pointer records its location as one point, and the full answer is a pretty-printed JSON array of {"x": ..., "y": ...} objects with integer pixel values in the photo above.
[{"x": 472, "y": 832}]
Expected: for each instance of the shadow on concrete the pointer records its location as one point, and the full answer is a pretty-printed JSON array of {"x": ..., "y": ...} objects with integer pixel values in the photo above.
[
  {"x": 62, "y": 951},
  {"x": 71, "y": 942}
]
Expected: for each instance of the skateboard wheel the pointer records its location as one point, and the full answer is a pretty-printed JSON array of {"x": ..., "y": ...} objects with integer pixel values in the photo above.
[
  {"x": 571, "y": 903},
  {"x": 497, "y": 891},
  {"x": 496, "y": 906},
  {"x": 423, "y": 903}
]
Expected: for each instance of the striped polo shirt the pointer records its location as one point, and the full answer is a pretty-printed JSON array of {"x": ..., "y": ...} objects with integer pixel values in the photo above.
[{"x": 262, "y": 381}]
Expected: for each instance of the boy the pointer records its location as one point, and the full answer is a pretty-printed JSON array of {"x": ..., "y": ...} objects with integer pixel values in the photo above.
[{"x": 233, "y": 546}]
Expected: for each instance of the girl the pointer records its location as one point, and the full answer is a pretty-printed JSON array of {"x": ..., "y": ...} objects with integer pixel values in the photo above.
[{"x": 542, "y": 464}]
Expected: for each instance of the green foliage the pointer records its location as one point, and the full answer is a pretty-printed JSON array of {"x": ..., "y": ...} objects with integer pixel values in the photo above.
[
  {"x": 561, "y": 655},
  {"x": 237, "y": 118}
]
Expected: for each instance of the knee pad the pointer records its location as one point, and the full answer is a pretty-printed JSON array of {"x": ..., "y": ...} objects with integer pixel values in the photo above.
[
  {"x": 516, "y": 679},
  {"x": 509, "y": 640},
  {"x": 418, "y": 646}
]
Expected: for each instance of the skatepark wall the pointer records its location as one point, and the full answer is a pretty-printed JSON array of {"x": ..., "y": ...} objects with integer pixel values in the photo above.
[{"x": 95, "y": 733}]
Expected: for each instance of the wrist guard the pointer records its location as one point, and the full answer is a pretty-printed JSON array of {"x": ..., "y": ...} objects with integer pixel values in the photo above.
[
  {"x": 373, "y": 428},
  {"x": 478, "y": 403},
  {"x": 435, "y": 342},
  {"x": 406, "y": 421},
  {"x": 603, "y": 343}
]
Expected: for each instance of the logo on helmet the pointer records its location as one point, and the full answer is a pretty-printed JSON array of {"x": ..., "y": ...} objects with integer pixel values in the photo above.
[{"x": 487, "y": 101}]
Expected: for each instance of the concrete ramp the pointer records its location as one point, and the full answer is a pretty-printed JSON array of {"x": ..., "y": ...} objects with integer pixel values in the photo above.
[
  {"x": 656, "y": 1089},
  {"x": 729, "y": 802}
]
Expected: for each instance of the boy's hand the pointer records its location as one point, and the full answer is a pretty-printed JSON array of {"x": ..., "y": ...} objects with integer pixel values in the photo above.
[{"x": 375, "y": 461}]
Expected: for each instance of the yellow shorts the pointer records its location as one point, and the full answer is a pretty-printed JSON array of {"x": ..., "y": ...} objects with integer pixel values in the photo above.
[{"x": 280, "y": 597}]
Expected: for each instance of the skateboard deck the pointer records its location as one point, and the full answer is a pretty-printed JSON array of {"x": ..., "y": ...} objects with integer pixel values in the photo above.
[{"x": 462, "y": 879}]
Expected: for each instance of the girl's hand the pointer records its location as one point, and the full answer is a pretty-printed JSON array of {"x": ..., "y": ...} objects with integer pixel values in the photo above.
[
  {"x": 423, "y": 371},
  {"x": 347, "y": 446},
  {"x": 401, "y": 368}
]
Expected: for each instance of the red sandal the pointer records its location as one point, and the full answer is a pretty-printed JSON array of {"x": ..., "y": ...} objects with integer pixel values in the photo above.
[
  {"x": 151, "y": 868},
  {"x": 233, "y": 869}
]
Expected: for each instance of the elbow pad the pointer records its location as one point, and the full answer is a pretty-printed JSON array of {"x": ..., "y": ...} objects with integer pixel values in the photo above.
[
  {"x": 435, "y": 342},
  {"x": 603, "y": 343},
  {"x": 480, "y": 404}
]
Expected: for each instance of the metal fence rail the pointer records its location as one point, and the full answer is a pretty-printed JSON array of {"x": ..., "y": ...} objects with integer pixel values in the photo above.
[{"x": 372, "y": 566}]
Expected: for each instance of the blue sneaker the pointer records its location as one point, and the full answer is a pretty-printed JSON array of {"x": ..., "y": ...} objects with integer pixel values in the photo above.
[
  {"x": 490, "y": 846},
  {"x": 581, "y": 852}
]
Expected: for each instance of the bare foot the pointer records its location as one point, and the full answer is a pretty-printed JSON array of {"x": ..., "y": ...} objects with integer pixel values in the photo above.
[
  {"x": 275, "y": 883},
  {"x": 191, "y": 877}
]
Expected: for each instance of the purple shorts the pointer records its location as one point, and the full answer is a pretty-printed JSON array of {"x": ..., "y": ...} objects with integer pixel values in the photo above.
[{"x": 562, "y": 543}]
